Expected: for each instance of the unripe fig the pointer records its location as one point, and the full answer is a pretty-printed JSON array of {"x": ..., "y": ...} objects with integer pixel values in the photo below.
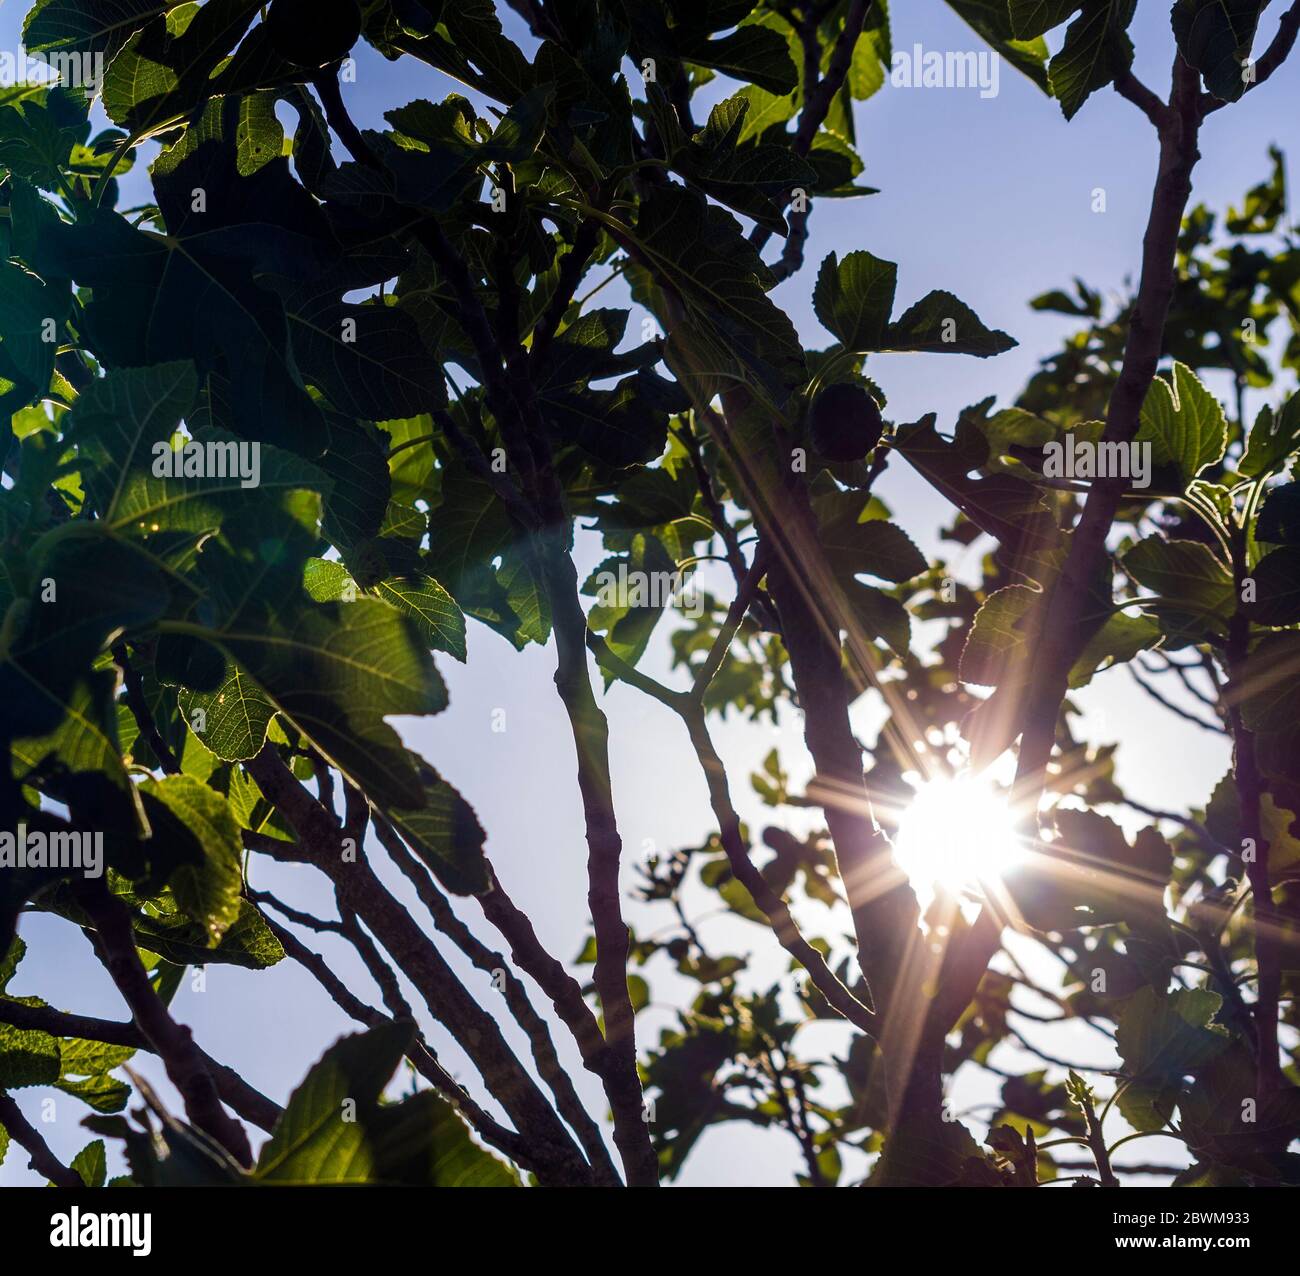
[
  {"x": 313, "y": 33},
  {"x": 846, "y": 423}
]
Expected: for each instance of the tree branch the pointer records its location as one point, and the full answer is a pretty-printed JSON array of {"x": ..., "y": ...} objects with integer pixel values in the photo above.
[
  {"x": 572, "y": 267},
  {"x": 235, "y": 1092},
  {"x": 172, "y": 1042},
  {"x": 794, "y": 1120},
  {"x": 43, "y": 1161},
  {"x": 444, "y": 995},
  {"x": 1185, "y": 714},
  {"x": 615, "y": 665},
  {"x": 321, "y": 925},
  {"x": 534, "y": 1026},
  {"x": 590, "y": 731},
  {"x": 1277, "y": 52},
  {"x": 819, "y": 95},
  {"x": 689, "y": 706},
  {"x": 1250, "y": 792},
  {"x": 422, "y": 1058},
  {"x": 520, "y": 510},
  {"x": 718, "y": 518},
  {"x": 1183, "y": 673},
  {"x": 746, "y": 591},
  {"x": 1027, "y": 1045},
  {"x": 390, "y": 989},
  {"x": 1127, "y": 85},
  {"x": 884, "y": 909},
  {"x": 1060, "y": 640},
  {"x": 778, "y": 914},
  {"x": 1191, "y": 825},
  {"x": 717, "y": 515},
  {"x": 551, "y": 976},
  {"x": 1096, "y": 1140}
]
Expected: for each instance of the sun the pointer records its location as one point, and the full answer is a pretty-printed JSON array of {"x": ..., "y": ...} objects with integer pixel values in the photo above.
[{"x": 956, "y": 834}]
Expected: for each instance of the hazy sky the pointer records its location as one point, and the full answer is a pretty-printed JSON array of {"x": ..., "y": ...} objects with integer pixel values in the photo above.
[{"x": 990, "y": 198}]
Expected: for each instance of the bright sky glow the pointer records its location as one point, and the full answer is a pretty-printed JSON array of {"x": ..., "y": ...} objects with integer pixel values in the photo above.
[{"x": 957, "y": 834}]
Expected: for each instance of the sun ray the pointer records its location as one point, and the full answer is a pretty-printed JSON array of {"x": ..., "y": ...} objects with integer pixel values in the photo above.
[{"x": 958, "y": 834}]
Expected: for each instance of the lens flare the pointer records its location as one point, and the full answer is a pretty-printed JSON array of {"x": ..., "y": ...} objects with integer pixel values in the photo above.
[{"x": 956, "y": 834}]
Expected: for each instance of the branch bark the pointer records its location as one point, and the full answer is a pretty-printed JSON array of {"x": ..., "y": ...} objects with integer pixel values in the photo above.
[
  {"x": 818, "y": 96},
  {"x": 43, "y": 1161},
  {"x": 1059, "y": 643},
  {"x": 590, "y": 731},
  {"x": 422, "y": 1058},
  {"x": 1268, "y": 922},
  {"x": 1277, "y": 52},
  {"x": 185, "y": 1063},
  {"x": 778, "y": 913},
  {"x": 539, "y": 1036},
  {"x": 505, "y": 377},
  {"x": 235, "y": 1092},
  {"x": 320, "y": 843}
]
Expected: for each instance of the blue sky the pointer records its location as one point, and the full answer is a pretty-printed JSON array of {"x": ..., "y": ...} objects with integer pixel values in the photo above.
[{"x": 989, "y": 198}]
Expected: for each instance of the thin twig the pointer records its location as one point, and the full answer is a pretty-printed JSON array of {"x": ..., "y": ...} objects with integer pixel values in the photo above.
[
  {"x": 321, "y": 925},
  {"x": 1183, "y": 673},
  {"x": 390, "y": 989},
  {"x": 778, "y": 914},
  {"x": 1277, "y": 52},
  {"x": 818, "y": 97},
  {"x": 1160, "y": 699},
  {"x": 1048, "y": 1058},
  {"x": 727, "y": 631},
  {"x": 43, "y": 1161},
  {"x": 1192, "y": 825}
]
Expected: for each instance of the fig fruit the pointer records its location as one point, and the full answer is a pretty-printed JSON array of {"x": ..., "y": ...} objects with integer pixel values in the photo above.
[
  {"x": 312, "y": 33},
  {"x": 846, "y": 422}
]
